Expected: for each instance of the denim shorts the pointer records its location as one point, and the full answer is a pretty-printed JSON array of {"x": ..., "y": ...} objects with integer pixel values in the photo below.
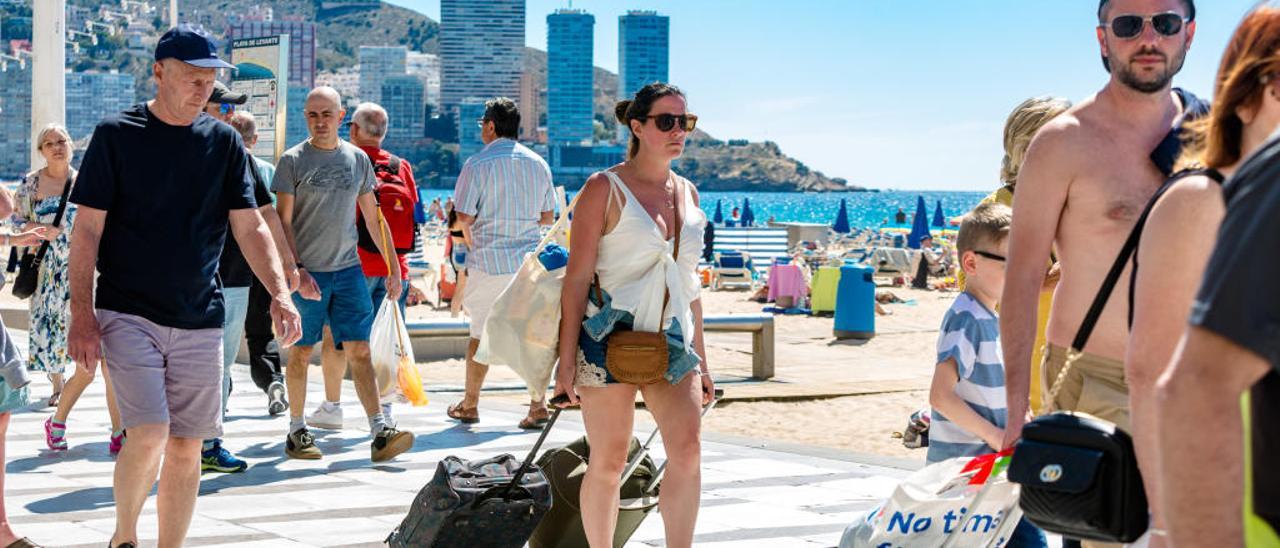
[
  {"x": 344, "y": 306},
  {"x": 594, "y": 340}
]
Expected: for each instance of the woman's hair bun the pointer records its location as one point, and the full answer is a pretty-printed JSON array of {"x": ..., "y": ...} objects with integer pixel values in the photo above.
[{"x": 620, "y": 111}]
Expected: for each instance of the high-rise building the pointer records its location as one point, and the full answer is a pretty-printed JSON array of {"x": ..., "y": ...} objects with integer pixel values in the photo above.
[
  {"x": 15, "y": 114},
  {"x": 469, "y": 113},
  {"x": 402, "y": 98},
  {"x": 91, "y": 96},
  {"x": 426, "y": 66},
  {"x": 302, "y": 44},
  {"x": 531, "y": 100},
  {"x": 376, "y": 64},
  {"x": 643, "y": 50},
  {"x": 295, "y": 124},
  {"x": 570, "y": 84},
  {"x": 346, "y": 80},
  {"x": 481, "y": 49}
]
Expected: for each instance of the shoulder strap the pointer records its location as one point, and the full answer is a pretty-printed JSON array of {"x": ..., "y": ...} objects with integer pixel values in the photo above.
[
  {"x": 394, "y": 163},
  {"x": 62, "y": 204},
  {"x": 1117, "y": 268},
  {"x": 1213, "y": 174}
]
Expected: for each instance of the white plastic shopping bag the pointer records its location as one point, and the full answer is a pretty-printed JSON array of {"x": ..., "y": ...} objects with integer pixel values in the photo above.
[
  {"x": 389, "y": 345},
  {"x": 962, "y": 502},
  {"x": 523, "y": 328}
]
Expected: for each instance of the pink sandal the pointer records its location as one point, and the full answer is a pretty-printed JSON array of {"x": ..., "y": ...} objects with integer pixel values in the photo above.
[{"x": 55, "y": 434}]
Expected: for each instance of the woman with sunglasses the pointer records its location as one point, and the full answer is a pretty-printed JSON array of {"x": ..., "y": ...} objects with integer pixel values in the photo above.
[
  {"x": 637, "y": 232},
  {"x": 1182, "y": 228}
]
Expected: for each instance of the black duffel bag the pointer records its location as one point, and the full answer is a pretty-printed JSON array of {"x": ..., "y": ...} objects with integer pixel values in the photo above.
[{"x": 495, "y": 502}]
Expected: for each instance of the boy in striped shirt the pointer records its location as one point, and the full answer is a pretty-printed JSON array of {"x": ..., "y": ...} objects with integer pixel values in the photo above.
[{"x": 968, "y": 393}]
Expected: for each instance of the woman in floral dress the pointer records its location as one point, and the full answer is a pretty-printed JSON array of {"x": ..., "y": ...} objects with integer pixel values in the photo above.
[{"x": 36, "y": 205}]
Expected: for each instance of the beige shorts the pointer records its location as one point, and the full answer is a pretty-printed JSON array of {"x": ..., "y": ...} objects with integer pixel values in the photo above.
[
  {"x": 478, "y": 296},
  {"x": 1094, "y": 385}
]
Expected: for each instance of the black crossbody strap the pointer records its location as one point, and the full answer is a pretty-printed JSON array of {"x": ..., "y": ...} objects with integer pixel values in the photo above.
[
  {"x": 57, "y": 221},
  {"x": 1122, "y": 260}
]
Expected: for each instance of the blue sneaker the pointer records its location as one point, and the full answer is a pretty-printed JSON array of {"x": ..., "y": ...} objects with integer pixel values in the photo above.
[{"x": 217, "y": 459}]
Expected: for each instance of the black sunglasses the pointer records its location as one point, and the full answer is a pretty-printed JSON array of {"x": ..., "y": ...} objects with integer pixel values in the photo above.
[
  {"x": 667, "y": 122},
  {"x": 991, "y": 256},
  {"x": 1130, "y": 26}
]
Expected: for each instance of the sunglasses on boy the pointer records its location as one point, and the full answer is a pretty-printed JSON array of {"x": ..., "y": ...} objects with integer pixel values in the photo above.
[
  {"x": 1128, "y": 27},
  {"x": 991, "y": 256},
  {"x": 667, "y": 122}
]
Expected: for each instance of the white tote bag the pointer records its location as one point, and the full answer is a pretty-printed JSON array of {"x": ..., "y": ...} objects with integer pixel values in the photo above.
[
  {"x": 523, "y": 328},
  {"x": 961, "y": 502}
]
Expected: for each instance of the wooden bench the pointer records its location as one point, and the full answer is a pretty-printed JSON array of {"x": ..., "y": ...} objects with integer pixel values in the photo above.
[{"x": 759, "y": 325}]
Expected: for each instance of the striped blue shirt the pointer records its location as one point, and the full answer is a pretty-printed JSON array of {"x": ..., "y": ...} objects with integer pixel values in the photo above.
[
  {"x": 506, "y": 187},
  {"x": 970, "y": 335}
]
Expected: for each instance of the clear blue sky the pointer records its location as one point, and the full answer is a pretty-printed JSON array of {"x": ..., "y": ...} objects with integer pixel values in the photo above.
[{"x": 907, "y": 94}]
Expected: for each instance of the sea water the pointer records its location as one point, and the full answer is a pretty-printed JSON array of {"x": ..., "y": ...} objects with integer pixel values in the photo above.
[{"x": 866, "y": 209}]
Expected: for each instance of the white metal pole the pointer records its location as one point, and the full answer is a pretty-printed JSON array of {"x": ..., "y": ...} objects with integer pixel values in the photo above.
[
  {"x": 48, "y": 65},
  {"x": 173, "y": 13}
]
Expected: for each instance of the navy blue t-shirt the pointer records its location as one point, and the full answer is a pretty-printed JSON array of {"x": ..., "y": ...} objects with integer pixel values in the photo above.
[{"x": 167, "y": 191}]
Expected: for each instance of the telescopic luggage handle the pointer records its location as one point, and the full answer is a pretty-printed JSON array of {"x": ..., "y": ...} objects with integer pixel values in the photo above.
[{"x": 533, "y": 453}]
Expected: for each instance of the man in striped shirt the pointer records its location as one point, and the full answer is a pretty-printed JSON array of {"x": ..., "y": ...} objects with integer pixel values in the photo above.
[{"x": 503, "y": 193}]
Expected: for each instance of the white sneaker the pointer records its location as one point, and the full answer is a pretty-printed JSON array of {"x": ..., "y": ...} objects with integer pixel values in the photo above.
[{"x": 326, "y": 416}]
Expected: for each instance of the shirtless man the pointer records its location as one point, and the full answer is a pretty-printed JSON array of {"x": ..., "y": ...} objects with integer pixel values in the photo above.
[{"x": 1088, "y": 175}]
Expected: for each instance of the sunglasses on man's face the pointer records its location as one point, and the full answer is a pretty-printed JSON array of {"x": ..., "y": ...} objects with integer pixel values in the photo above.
[
  {"x": 226, "y": 109},
  {"x": 1127, "y": 27},
  {"x": 667, "y": 122}
]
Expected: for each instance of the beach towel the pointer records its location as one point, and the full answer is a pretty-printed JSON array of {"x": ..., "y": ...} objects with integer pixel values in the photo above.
[{"x": 957, "y": 502}]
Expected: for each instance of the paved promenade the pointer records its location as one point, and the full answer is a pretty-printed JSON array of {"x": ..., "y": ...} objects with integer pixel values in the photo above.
[{"x": 752, "y": 496}]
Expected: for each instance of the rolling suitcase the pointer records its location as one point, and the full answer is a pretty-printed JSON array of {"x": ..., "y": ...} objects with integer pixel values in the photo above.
[
  {"x": 565, "y": 467},
  {"x": 494, "y": 503}
]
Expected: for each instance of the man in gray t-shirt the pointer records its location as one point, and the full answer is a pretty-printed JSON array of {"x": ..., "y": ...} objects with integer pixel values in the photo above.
[{"x": 319, "y": 184}]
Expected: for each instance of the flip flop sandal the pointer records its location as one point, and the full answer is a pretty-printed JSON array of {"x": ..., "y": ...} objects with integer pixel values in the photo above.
[
  {"x": 465, "y": 416},
  {"x": 532, "y": 423}
]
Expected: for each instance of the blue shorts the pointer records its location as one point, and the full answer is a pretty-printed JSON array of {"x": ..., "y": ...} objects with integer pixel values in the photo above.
[{"x": 344, "y": 305}]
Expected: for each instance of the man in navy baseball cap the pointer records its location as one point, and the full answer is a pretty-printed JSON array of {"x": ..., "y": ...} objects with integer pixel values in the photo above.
[{"x": 190, "y": 46}]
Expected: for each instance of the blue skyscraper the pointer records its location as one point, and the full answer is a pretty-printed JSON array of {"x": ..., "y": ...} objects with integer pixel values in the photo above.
[
  {"x": 644, "y": 39},
  {"x": 90, "y": 97},
  {"x": 469, "y": 113},
  {"x": 295, "y": 126},
  {"x": 403, "y": 97},
  {"x": 570, "y": 81}
]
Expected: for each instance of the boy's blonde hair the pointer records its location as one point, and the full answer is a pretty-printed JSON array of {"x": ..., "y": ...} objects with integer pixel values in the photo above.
[{"x": 984, "y": 227}]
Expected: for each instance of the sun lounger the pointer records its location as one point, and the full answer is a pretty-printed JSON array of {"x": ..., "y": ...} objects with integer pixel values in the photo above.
[{"x": 732, "y": 268}]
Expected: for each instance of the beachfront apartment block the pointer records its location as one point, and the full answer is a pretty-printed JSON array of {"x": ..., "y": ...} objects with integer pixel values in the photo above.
[
  {"x": 376, "y": 64},
  {"x": 481, "y": 50},
  {"x": 570, "y": 77},
  {"x": 90, "y": 96},
  {"x": 403, "y": 97}
]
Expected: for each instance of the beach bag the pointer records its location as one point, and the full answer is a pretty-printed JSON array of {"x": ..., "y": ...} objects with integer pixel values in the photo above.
[
  {"x": 641, "y": 357},
  {"x": 523, "y": 327},
  {"x": 24, "y": 286},
  {"x": 957, "y": 502}
]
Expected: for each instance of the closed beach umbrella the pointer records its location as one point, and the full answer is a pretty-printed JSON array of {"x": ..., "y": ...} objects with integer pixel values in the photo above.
[
  {"x": 719, "y": 216},
  {"x": 919, "y": 225},
  {"x": 748, "y": 218},
  {"x": 939, "y": 221},
  {"x": 842, "y": 218}
]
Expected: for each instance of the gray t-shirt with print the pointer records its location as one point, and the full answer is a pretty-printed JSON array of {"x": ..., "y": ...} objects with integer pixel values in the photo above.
[{"x": 325, "y": 185}]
